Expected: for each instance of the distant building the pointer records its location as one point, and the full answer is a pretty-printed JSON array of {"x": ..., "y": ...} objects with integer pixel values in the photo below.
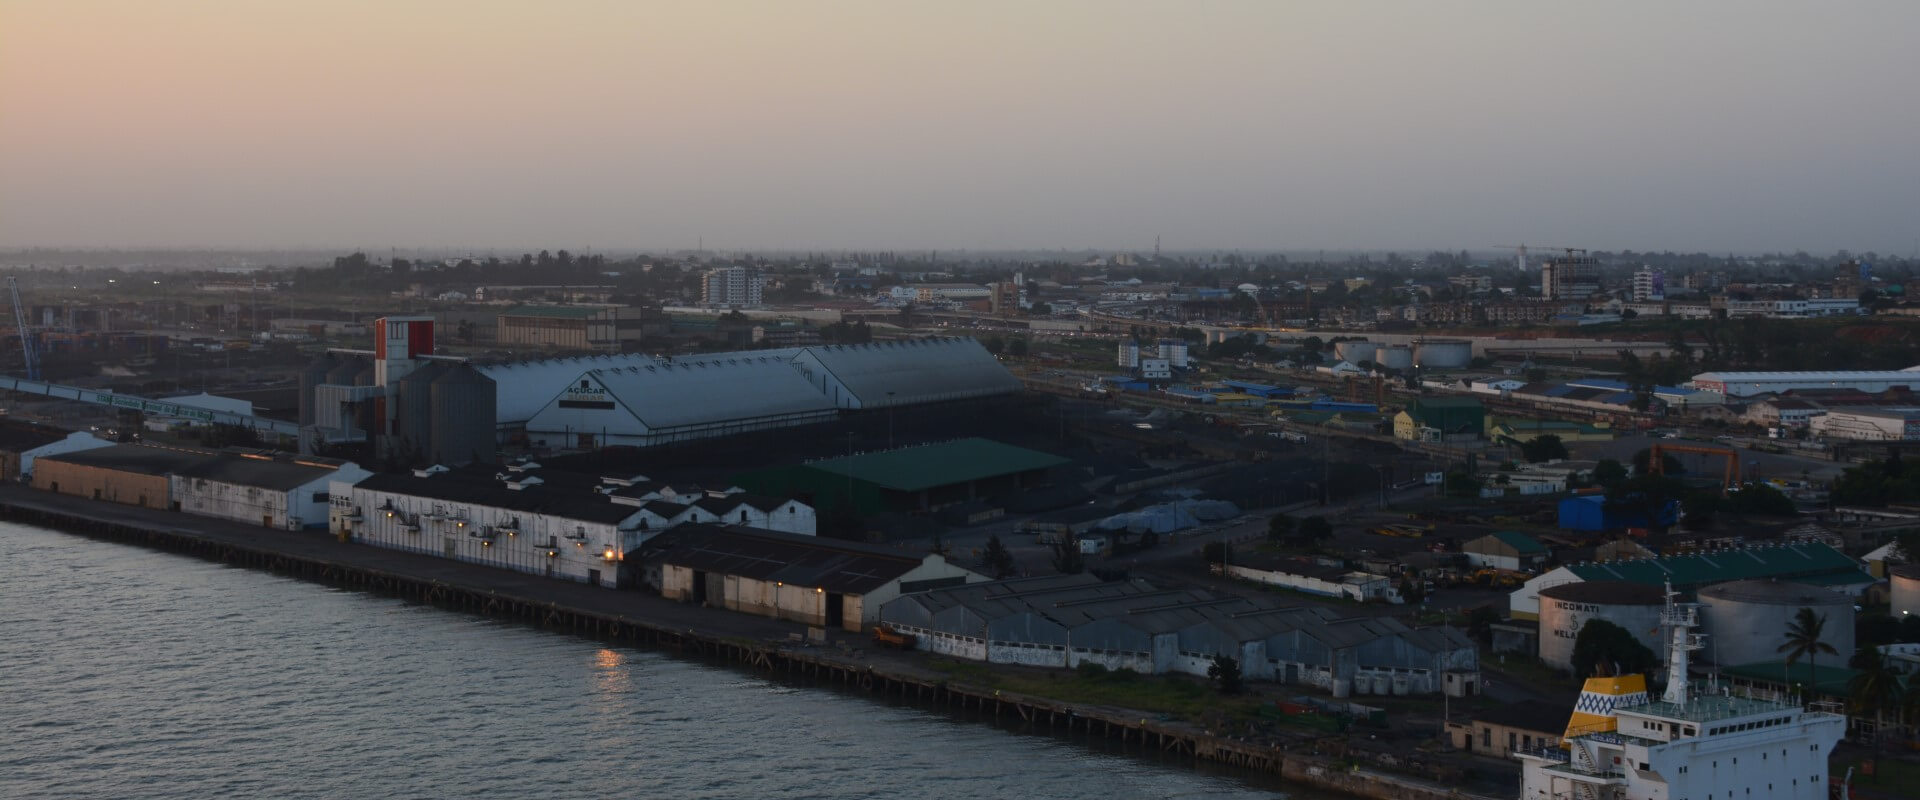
[
  {"x": 1441, "y": 419},
  {"x": 1749, "y": 384},
  {"x": 1509, "y": 550},
  {"x": 1816, "y": 564},
  {"x": 1510, "y": 728},
  {"x": 1871, "y": 424},
  {"x": 578, "y": 327},
  {"x": 732, "y": 287},
  {"x": 1649, "y": 284},
  {"x": 1570, "y": 277}
]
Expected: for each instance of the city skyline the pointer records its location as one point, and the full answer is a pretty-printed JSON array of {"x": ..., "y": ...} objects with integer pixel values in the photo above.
[{"x": 1712, "y": 127}]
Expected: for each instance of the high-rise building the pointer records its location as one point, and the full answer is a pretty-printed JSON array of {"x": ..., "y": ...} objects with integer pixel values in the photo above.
[
  {"x": 1649, "y": 284},
  {"x": 1570, "y": 277},
  {"x": 730, "y": 287}
]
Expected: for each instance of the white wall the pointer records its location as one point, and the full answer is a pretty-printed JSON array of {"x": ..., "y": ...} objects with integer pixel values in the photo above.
[{"x": 541, "y": 546}]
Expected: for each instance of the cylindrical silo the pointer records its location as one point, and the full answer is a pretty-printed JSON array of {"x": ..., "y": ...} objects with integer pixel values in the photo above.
[
  {"x": 464, "y": 415},
  {"x": 1397, "y": 356},
  {"x": 1906, "y": 590},
  {"x": 1354, "y": 352},
  {"x": 1567, "y": 606},
  {"x": 1443, "y": 353},
  {"x": 312, "y": 375},
  {"x": 1747, "y": 621}
]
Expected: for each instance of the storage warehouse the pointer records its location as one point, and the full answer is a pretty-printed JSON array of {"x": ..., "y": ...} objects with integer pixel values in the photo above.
[
  {"x": 21, "y": 444},
  {"x": 134, "y": 474},
  {"x": 1814, "y": 564},
  {"x": 1510, "y": 550},
  {"x": 918, "y": 478},
  {"x": 804, "y": 579},
  {"x": 1749, "y": 384},
  {"x": 289, "y": 495},
  {"x": 1068, "y": 620},
  {"x": 568, "y": 535},
  {"x": 1593, "y": 513},
  {"x": 1868, "y": 423}
]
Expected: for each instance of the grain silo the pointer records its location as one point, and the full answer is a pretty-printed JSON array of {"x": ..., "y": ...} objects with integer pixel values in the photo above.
[
  {"x": 1565, "y": 607},
  {"x": 1746, "y": 621},
  {"x": 1397, "y": 356},
  {"x": 412, "y": 433},
  {"x": 1905, "y": 581},
  {"x": 464, "y": 412},
  {"x": 1443, "y": 353}
]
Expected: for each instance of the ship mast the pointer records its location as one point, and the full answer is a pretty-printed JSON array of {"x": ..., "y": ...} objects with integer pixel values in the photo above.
[{"x": 1680, "y": 620}]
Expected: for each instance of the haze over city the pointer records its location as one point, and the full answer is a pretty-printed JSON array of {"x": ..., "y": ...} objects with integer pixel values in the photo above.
[{"x": 1701, "y": 126}]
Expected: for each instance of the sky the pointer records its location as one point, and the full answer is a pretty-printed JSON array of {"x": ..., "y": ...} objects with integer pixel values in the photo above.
[{"x": 1743, "y": 126}]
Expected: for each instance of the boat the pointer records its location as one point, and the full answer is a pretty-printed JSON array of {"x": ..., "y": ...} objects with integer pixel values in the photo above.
[{"x": 1696, "y": 741}]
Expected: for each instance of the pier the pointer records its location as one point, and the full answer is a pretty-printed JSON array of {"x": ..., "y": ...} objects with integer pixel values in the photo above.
[{"x": 649, "y": 621}]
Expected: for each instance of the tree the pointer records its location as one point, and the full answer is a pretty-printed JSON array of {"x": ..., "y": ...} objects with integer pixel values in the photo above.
[
  {"x": 1545, "y": 447},
  {"x": 1040, "y": 310},
  {"x": 1874, "y": 689},
  {"x": 1215, "y": 553},
  {"x": 1066, "y": 557},
  {"x": 1279, "y": 527},
  {"x": 1316, "y": 528},
  {"x": 995, "y": 345},
  {"x": 1461, "y": 484},
  {"x": 1761, "y": 498},
  {"x": 1017, "y": 348},
  {"x": 1225, "y": 674},
  {"x": 1602, "y": 645},
  {"x": 1803, "y": 639},
  {"x": 1609, "y": 473},
  {"x": 998, "y": 559}
]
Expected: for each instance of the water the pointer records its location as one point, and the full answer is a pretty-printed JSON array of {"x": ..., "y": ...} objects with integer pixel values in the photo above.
[{"x": 130, "y": 673}]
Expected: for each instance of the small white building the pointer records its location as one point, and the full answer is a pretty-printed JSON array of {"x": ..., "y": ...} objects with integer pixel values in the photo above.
[
  {"x": 285, "y": 495},
  {"x": 1325, "y": 581}
]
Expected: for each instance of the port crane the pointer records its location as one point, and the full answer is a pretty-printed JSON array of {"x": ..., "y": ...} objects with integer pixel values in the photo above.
[{"x": 27, "y": 349}]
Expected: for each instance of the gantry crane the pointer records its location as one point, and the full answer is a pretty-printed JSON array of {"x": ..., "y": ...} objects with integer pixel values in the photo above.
[{"x": 27, "y": 349}]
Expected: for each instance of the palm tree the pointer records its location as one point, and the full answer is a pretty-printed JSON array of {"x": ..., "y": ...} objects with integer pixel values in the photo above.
[
  {"x": 1874, "y": 690},
  {"x": 1803, "y": 639}
]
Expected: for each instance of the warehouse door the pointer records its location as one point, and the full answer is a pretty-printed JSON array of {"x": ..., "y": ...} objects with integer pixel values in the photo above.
[
  {"x": 836, "y": 609},
  {"x": 699, "y": 588},
  {"x": 451, "y": 548}
]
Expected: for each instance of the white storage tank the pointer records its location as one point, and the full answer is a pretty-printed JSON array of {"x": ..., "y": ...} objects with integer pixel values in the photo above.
[
  {"x": 1747, "y": 621},
  {"x": 1397, "y": 356},
  {"x": 1354, "y": 352},
  {"x": 1906, "y": 590},
  {"x": 1565, "y": 607},
  {"x": 1443, "y": 353}
]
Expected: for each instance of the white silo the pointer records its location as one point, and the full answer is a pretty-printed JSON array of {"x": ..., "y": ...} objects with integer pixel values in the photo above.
[
  {"x": 1565, "y": 607},
  {"x": 1355, "y": 351},
  {"x": 1747, "y": 621},
  {"x": 1397, "y": 356},
  {"x": 1443, "y": 353}
]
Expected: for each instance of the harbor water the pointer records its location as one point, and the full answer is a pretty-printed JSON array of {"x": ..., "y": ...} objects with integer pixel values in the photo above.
[{"x": 131, "y": 673}]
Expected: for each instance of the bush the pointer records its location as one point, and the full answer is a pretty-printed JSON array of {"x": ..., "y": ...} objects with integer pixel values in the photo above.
[{"x": 1088, "y": 669}]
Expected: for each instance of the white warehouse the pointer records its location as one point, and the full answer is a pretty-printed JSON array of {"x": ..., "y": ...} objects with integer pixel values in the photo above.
[
  {"x": 286, "y": 495},
  {"x": 1749, "y": 384}
]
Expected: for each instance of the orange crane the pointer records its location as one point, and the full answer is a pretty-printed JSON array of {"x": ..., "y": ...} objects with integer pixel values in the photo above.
[{"x": 1656, "y": 464}]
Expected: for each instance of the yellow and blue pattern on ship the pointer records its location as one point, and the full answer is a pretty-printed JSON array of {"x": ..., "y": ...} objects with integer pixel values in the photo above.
[{"x": 1593, "y": 712}]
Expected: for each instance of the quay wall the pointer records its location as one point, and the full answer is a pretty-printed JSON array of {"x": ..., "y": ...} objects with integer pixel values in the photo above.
[{"x": 843, "y": 668}]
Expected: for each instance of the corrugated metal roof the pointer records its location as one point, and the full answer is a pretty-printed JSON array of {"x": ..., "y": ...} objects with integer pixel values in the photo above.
[
  {"x": 909, "y": 371},
  {"x": 910, "y": 469},
  {"x": 525, "y": 387},
  {"x": 707, "y": 389},
  {"x": 1793, "y": 561},
  {"x": 276, "y": 475}
]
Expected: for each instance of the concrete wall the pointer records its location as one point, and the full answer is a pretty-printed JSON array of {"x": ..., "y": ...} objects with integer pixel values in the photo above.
[
  {"x": 100, "y": 483},
  {"x": 304, "y": 506}
]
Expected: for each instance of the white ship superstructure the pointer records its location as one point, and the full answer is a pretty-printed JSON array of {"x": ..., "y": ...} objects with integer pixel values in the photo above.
[{"x": 1694, "y": 743}]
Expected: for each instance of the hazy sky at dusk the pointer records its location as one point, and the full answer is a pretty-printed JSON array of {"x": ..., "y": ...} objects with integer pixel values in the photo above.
[{"x": 1694, "y": 125}]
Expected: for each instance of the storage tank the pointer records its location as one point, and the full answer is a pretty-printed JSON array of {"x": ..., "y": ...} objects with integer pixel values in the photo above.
[
  {"x": 465, "y": 411},
  {"x": 1747, "y": 621},
  {"x": 413, "y": 409},
  {"x": 313, "y": 375},
  {"x": 1354, "y": 352},
  {"x": 1567, "y": 606},
  {"x": 1905, "y": 580},
  {"x": 1397, "y": 356},
  {"x": 1443, "y": 353}
]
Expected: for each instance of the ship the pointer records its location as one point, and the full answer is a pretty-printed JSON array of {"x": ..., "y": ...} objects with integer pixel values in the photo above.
[{"x": 1696, "y": 741}]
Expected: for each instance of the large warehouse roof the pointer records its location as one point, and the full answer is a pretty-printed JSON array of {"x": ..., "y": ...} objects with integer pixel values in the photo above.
[
  {"x": 907, "y": 371},
  {"x": 525, "y": 387},
  {"x": 910, "y": 469},
  {"x": 836, "y": 566},
  {"x": 706, "y": 389},
  {"x": 1787, "y": 562}
]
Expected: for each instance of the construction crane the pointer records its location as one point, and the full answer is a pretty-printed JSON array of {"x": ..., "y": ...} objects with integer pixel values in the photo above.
[{"x": 26, "y": 335}]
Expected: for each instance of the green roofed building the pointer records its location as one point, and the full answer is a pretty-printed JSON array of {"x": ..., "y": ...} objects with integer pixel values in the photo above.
[
  {"x": 1811, "y": 563},
  {"x": 916, "y": 478},
  {"x": 1441, "y": 419}
]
